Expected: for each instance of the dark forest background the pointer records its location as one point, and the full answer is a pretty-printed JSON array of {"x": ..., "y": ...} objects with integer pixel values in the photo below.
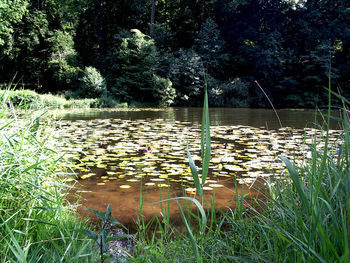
[{"x": 163, "y": 52}]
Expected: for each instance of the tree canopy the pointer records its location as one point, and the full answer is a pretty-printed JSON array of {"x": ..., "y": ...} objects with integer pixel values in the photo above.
[{"x": 110, "y": 48}]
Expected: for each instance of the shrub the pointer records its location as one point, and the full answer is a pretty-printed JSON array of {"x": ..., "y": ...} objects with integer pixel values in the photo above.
[
  {"x": 20, "y": 97},
  {"x": 81, "y": 103},
  {"x": 187, "y": 74},
  {"x": 164, "y": 90},
  {"x": 93, "y": 84}
]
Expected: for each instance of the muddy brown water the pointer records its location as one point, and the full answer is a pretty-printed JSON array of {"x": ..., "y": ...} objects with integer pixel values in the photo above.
[
  {"x": 125, "y": 203},
  {"x": 109, "y": 149}
]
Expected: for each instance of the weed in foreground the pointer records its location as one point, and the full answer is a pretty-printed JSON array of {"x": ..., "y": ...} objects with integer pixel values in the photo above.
[{"x": 36, "y": 222}]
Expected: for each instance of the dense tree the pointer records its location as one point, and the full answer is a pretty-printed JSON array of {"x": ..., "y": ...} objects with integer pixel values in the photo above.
[
  {"x": 41, "y": 48},
  {"x": 11, "y": 13},
  {"x": 288, "y": 46},
  {"x": 138, "y": 79}
]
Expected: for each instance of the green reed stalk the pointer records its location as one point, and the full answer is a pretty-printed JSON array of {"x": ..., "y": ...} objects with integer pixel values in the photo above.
[
  {"x": 205, "y": 150},
  {"x": 205, "y": 139}
]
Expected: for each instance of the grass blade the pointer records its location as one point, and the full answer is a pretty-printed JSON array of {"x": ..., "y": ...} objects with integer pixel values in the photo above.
[
  {"x": 296, "y": 180},
  {"x": 205, "y": 138},
  {"x": 196, "y": 202},
  {"x": 194, "y": 173},
  {"x": 193, "y": 241}
]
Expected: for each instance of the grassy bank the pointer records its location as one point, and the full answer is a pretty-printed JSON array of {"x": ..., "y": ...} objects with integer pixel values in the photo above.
[
  {"x": 36, "y": 222},
  {"x": 30, "y": 99}
]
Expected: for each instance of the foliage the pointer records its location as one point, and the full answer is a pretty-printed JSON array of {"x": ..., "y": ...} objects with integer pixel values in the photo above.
[
  {"x": 34, "y": 101},
  {"x": 232, "y": 93},
  {"x": 210, "y": 47},
  {"x": 187, "y": 74},
  {"x": 20, "y": 97},
  {"x": 11, "y": 13},
  {"x": 138, "y": 79},
  {"x": 163, "y": 90},
  {"x": 41, "y": 48},
  {"x": 36, "y": 221},
  {"x": 92, "y": 83},
  {"x": 63, "y": 63},
  {"x": 104, "y": 237},
  {"x": 287, "y": 46}
]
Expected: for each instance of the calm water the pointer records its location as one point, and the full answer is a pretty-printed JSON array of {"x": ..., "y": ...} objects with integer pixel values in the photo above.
[
  {"x": 105, "y": 147},
  {"x": 259, "y": 118}
]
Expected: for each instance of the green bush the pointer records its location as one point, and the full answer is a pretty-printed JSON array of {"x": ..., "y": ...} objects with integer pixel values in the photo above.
[
  {"x": 33, "y": 100},
  {"x": 164, "y": 90},
  {"x": 187, "y": 75},
  {"x": 92, "y": 84},
  {"x": 63, "y": 64},
  {"x": 81, "y": 103},
  {"x": 20, "y": 97},
  {"x": 50, "y": 101}
]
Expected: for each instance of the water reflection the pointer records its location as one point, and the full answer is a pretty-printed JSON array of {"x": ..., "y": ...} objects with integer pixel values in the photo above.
[{"x": 218, "y": 116}]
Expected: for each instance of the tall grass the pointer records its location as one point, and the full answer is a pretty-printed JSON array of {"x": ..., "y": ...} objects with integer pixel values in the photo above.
[
  {"x": 36, "y": 223},
  {"x": 306, "y": 217}
]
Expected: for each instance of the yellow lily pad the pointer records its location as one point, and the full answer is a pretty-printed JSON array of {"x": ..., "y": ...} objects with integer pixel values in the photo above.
[{"x": 216, "y": 185}]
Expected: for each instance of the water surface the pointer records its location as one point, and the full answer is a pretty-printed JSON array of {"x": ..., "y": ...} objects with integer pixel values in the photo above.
[
  {"x": 109, "y": 150},
  {"x": 218, "y": 116}
]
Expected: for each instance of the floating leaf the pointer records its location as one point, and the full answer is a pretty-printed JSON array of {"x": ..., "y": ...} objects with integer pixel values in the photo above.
[
  {"x": 216, "y": 185},
  {"x": 157, "y": 179},
  {"x": 163, "y": 185},
  {"x": 133, "y": 180},
  {"x": 235, "y": 168}
]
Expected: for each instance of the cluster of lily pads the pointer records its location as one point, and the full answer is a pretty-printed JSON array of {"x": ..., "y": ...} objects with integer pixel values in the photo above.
[{"x": 153, "y": 152}]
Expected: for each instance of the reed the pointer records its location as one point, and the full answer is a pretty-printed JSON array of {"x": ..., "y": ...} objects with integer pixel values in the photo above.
[{"x": 36, "y": 222}]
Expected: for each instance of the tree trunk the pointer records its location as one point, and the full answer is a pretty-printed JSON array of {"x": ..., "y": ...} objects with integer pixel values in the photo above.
[
  {"x": 100, "y": 40},
  {"x": 153, "y": 11}
]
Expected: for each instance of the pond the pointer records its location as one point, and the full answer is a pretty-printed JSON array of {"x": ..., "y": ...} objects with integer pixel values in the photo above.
[{"x": 120, "y": 154}]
